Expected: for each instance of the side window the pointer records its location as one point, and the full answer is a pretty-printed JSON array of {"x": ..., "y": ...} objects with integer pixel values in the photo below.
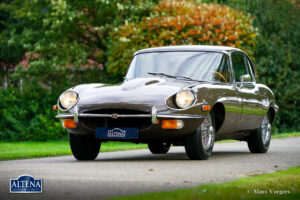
[
  {"x": 222, "y": 73},
  {"x": 238, "y": 64},
  {"x": 249, "y": 68}
]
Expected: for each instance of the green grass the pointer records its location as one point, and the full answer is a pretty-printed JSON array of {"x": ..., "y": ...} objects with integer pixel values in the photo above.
[
  {"x": 286, "y": 185},
  {"x": 21, "y": 150},
  {"x": 286, "y": 135},
  {"x": 281, "y": 135}
]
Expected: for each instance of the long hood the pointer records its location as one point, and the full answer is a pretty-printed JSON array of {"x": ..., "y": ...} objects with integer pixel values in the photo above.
[{"x": 140, "y": 94}]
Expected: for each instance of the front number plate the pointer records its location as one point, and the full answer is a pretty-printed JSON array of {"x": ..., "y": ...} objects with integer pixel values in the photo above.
[{"x": 116, "y": 133}]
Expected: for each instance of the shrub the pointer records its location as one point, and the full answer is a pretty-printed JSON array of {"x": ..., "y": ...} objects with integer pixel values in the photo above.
[
  {"x": 27, "y": 114},
  {"x": 176, "y": 22},
  {"x": 277, "y": 57}
]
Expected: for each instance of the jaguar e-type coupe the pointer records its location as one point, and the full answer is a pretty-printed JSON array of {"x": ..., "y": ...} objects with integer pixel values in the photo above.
[{"x": 179, "y": 95}]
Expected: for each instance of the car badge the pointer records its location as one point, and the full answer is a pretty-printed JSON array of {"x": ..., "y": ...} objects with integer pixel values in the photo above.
[{"x": 114, "y": 116}]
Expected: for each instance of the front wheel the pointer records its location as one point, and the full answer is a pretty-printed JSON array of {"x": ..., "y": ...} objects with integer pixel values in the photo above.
[
  {"x": 84, "y": 147},
  {"x": 199, "y": 145},
  {"x": 159, "y": 147},
  {"x": 259, "y": 140}
]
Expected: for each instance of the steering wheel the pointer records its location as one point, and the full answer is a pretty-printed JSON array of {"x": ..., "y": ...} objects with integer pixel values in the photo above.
[
  {"x": 219, "y": 74},
  {"x": 222, "y": 77}
]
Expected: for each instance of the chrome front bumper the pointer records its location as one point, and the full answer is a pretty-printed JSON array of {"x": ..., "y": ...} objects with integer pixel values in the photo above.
[{"x": 154, "y": 116}]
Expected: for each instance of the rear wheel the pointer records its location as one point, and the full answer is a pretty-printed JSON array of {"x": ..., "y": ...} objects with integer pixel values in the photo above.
[
  {"x": 259, "y": 140},
  {"x": 199, "y": 145},
  {"x": 84, "y": 147},
  {"x": 159, "y": 147}
]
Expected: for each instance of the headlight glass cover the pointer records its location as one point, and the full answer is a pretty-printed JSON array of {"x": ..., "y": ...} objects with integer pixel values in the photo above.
[
  {"x": 68, "y": 99},
  {"x": 184, "y": 98}
]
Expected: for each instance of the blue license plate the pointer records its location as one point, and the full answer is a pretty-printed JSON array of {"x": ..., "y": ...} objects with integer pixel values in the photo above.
[{"x": 116, "y": 133}]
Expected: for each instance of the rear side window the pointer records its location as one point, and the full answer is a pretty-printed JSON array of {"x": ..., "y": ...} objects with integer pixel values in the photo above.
[
  {"x": 238, "y": 64},
  {"x": 249, "y": 68}
]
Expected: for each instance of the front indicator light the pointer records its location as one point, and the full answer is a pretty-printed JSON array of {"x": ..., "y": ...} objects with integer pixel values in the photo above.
[
  {"x": 171, "y": 124},
  {"x": 206, "y": 107},
  {"x": 69, "y": 123}
]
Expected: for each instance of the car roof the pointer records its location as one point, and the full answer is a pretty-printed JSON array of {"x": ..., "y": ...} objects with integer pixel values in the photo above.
[{"x": 213, "y": 48}]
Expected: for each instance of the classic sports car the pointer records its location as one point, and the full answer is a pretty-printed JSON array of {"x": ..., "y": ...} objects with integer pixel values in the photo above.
[{"x": 180, "y": 95}]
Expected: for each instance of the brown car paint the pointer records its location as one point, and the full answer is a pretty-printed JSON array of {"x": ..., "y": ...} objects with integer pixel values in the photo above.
[{"x": 244, "y": 105}]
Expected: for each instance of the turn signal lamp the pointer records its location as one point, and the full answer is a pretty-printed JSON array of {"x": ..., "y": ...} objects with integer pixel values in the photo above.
[
  {"x": 171, "y": 124},
  {"x": 206, "y": 107},
  {"x": 69, "y": 123}
]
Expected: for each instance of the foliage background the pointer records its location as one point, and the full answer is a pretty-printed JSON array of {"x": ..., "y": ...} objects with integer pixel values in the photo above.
[
  {"x": 47, "y": 46},
  {"x": 177, "y": 22}
]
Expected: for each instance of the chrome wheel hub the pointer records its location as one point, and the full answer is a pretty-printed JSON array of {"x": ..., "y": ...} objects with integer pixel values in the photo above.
[
  {"x": 266, "y": 130},
  {"x": 207, "y": 133}
]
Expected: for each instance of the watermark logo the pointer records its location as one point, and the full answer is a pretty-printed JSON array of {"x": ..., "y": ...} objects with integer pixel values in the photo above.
[
  {"x": 116, "y": 132},
  {"x": 26, "y": 184}
]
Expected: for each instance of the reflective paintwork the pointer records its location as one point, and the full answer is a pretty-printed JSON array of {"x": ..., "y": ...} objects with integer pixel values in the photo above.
[{"x": 245, "y": 104}]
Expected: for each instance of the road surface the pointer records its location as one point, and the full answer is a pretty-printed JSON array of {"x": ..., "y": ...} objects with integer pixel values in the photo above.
[{"x": 133, "y": 172}]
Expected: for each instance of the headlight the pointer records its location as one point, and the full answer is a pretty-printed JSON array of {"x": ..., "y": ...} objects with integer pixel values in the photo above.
[
  {"x": 184, "y": 98},
  {"x": 68, "y": 99}
]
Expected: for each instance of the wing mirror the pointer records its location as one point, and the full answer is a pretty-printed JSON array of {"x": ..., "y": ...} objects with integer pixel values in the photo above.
[{"x": 245, "y": 78}]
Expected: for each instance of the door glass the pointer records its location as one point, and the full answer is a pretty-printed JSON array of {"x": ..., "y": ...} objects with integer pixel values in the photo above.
[
  {"x": 238, "y": 64},
  {"x": 222, "y": 73}
]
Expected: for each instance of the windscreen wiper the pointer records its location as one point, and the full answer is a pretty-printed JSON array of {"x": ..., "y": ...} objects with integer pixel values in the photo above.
[
  {"x": 188, "y": 78},
  {"x": 162, "y": 74},
  {"x": 172, "y": 76}
]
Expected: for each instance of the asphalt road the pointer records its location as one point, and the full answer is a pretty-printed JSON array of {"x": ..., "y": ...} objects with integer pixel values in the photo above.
[{"x": 132, "y": 172}]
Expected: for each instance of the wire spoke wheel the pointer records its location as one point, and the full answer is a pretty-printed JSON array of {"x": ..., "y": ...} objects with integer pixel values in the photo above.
[
  {"x": 259, "y": 140},
  {"x": 199, "y": 144},
  {"x": 207, "y": 133},
  {"x": 266, "y": 130}
]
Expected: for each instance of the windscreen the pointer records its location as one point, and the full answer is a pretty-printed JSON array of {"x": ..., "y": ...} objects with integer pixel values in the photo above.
[{"x": 202, "y": 66}]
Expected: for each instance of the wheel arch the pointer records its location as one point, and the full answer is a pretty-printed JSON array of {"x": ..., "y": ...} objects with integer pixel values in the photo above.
[
  {"x": 272, "y": 112},
  {"x": 218, "y": 111}
]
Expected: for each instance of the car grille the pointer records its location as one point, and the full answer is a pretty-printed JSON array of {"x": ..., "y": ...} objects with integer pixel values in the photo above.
[{"x": 136, "y": 122}]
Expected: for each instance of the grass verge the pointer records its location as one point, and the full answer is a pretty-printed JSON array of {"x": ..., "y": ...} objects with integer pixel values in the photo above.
[
  {"x": 286, "y": 135},
  {"x": 280, "y": 135},
  {"x": 278, "y": 185},
  {"x": 21, "y": 150}
]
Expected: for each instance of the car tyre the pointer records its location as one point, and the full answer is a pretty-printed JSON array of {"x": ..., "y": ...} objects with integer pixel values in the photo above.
[
  {"x": 84, "y": 147},
  {"x": 259, "y": 140},
  {"x": 159, "y": 147},
  {"x": 199, "y": 145}
]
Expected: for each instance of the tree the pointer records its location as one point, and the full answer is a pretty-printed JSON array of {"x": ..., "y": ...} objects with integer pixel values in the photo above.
[
  {"x": 175, "y": 22},
  {"x": 66, "y": 33}
]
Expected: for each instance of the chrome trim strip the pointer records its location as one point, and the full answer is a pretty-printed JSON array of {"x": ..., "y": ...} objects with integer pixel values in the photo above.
[
  {"x": 110, "y": 115},
  {"x": 180, "y": 116},
  {"x": 76, "y": 114},
  {"x": 153, "y": 115},
  {"x": 175, "y": 116},
  {"x": 67, "y": 115}
]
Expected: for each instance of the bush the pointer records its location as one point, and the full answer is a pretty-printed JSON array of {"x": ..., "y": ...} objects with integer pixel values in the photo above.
[
  {"x": 277, "y": 57},
  {"x": 176, "y": 22},
  {"x": 26, "y": 114}
]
